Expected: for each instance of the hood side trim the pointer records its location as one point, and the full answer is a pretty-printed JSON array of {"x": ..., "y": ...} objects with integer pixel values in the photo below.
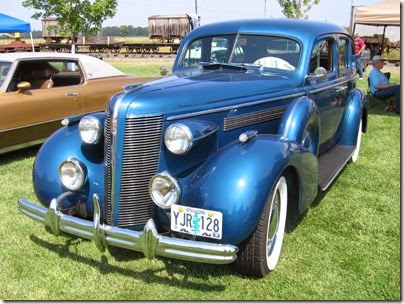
[{"x": 253, "y": 103}]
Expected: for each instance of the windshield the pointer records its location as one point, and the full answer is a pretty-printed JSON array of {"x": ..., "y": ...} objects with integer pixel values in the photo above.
[
  {"x": 257, "y": 50},
  {"x": 4, "y": 68}
]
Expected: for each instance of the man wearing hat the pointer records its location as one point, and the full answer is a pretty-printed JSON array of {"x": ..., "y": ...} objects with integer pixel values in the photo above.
[{"x": 380, "y": 85}]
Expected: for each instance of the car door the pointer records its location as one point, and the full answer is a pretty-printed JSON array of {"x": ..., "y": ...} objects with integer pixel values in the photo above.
[
  {"x": 322, "y": 91},
  {"x": 345, "y": 85},
  {"x": 31, "y": 115}
]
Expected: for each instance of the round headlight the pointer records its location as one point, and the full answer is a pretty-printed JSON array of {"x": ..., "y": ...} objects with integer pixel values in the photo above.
[
  {"x": 164, "y": 190},
  {"x": 72, "y": 174},
  {"x": 90, "y": 129},
  {"x": 178, "y": 138}
]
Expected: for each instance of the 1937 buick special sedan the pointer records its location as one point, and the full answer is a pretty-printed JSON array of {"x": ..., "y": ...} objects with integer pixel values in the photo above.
[{"x": 204, "y": 164}]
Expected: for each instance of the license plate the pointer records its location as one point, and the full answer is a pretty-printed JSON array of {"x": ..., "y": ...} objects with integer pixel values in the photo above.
[{"x": 195, "y": 221}]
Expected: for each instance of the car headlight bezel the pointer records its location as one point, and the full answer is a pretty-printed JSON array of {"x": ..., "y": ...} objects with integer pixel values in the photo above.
[
  {"x": 79, "y": 172},
  {"x": 159, "y": 198},
  {"x": 186, "y": 136},
  {"x": 94, "y": 130}
]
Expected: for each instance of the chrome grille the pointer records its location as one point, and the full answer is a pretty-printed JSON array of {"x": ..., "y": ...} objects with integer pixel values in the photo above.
[
  {"x": 107, "y": 169},
  {"x": 244, "y": 120},
  {"x": 140, "y": 162}
]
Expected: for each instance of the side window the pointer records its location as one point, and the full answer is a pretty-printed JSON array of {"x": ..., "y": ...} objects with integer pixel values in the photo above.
[
  {"x": 343, "y": 53},
  {"x": 66, "y": 73},
  {"x": 321, "y": 56},
  {"x": 43, "y": 74}
]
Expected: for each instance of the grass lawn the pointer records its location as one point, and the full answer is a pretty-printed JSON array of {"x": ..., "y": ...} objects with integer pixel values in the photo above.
[{"x": 345, "y": 247}]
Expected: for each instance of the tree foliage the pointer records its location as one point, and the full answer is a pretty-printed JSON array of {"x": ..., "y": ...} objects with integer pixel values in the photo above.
[
  {"x": 74, "y": 16},
  {"x": 296, "y": 8}
]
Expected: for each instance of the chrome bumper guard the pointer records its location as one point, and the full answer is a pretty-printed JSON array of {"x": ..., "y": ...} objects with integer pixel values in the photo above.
[{"x": 147, "y": 241}]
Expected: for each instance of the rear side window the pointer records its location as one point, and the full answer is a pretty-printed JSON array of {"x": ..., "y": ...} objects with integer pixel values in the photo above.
[
  {"x": 343, "y": 46},
  {"x": 321, "y": 56}
]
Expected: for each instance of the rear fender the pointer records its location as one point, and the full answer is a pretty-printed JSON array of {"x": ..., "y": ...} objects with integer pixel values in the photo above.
[
  {"x": 355, "y": 110},
  {"x": 301, "y": 124},
  {"x": 238, "y": 179},
  {"x": 65, "y": 143}
]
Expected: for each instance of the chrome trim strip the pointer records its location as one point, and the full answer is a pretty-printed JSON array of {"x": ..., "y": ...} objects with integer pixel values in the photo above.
[
  {"x": 332, "y": 85},
  {"x": 147, "y": 241},
  {"x": 22, "y": 146},
  {"x": 253, "y": 103},
  {"x": 114, "y": 126}
]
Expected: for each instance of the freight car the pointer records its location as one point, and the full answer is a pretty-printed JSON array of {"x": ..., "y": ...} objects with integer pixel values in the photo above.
[
  {"x": 164, "y": 28},
  {"x": 50, "y": 32},
  {"x": 171, "y": 27}
]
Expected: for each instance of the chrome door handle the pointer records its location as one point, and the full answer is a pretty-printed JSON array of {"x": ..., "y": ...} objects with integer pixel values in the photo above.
[
  {"x": 71, "y": 94},
  {"x": 340, "y": 89}
]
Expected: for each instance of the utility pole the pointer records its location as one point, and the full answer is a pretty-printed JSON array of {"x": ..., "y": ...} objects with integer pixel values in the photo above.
[
  {"x": 265, "y": 8},
  {"x": 196, "y": 7}
]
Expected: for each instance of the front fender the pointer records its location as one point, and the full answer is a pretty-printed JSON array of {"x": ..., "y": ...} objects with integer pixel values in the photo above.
[
  {"x": 61, "y": 145},
  {"x": 238, "y": 179}
]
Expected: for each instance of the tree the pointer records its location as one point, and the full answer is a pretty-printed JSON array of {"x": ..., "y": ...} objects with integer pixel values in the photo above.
[
  {"x": 74, "y": 16},
  {"x": 296, "y": 8}
]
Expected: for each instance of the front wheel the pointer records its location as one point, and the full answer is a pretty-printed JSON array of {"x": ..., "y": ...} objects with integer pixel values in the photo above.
[{"x": 260, "y": 253}]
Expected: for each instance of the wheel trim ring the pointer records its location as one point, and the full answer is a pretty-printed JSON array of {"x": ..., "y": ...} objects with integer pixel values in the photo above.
[
  {"x": 273, "y": 250},
  {"x": 355, "y": 154},
  {"x": 273, "y": 225}
]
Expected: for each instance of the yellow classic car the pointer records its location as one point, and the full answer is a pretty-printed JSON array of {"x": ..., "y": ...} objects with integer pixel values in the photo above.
[{"x": 39, "y": 90}]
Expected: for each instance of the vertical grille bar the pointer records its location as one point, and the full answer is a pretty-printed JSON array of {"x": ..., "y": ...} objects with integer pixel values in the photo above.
[
  {"x": 140, "y": 162},
  {"x": 107, "y": 168}
]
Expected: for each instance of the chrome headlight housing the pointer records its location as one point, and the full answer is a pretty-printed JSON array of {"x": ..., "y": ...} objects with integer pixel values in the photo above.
[
  {"x": 72, "y": 174},
  {"x": 90, "y": 129},
  {"x": 164, "y": 190},
  {"x": 178, "y": 138}
]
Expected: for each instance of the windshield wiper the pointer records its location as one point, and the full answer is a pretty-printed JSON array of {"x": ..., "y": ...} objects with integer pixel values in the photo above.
[{"x": 218, "y": 66}]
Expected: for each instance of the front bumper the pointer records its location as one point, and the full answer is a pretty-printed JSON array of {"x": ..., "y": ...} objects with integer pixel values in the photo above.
[{"x": 147, "y": 241}]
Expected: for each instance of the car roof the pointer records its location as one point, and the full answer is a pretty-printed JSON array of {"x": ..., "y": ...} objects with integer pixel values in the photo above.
[
  {"x": 298, "y": 28},
  {"x": 93, "y": 67}
]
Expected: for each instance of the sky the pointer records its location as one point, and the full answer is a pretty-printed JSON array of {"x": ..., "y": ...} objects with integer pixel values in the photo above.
[{"x": 136, "y": 12}]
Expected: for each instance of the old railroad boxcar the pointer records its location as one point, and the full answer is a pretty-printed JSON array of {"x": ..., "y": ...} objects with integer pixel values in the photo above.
[{"x": 170, "y": 27}]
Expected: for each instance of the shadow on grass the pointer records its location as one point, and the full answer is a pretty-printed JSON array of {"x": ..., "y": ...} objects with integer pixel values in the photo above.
[
  {"x": 379, "y": 110},
  {"x": 294, "y": 218},
  {"x": 187, "y": 270},
  {"x": 18, "y": 155}
]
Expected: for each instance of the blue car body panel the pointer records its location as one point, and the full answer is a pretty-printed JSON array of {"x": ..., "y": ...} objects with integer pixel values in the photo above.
[{"x": 297, "y": 118}]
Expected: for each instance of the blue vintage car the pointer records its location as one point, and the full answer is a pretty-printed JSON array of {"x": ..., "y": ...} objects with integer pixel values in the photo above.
[{"x": 206, "y": 163}]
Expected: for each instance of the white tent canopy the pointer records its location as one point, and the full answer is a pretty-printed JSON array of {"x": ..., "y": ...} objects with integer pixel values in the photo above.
[{"x": 386, "y": 13}]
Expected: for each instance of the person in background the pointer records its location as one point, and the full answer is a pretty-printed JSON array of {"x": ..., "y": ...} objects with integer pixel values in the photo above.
[
  {"x": 359, "y": 47},
  {"x": 380, "y": 85}
]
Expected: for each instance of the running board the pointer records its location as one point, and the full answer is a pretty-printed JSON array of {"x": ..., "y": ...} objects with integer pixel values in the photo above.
[{"x": 331, "y": 163}]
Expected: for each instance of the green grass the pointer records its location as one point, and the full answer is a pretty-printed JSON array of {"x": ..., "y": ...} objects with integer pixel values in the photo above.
[
  {"x": 141, "y": 67},
  {"x": 346, "y": 247}
]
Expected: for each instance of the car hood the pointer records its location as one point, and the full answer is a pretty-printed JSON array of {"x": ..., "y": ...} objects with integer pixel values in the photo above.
[{"x": 200, "y": 90}]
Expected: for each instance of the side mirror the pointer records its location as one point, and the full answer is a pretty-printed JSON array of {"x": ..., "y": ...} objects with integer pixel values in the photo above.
[
  {"x": 22, "y": 86},
  {"x": 163, "y": 71},
  {"x": 320, "y": 73}
]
